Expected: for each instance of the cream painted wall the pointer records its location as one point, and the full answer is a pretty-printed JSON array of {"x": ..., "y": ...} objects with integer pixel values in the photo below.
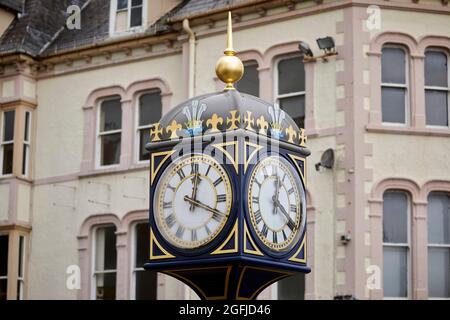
[
  {"x": 60, "y": 114},
  {"x": 23, "y": 203},
  {"x": 6, "y": 18},
  {"x": 4, "y": 201}
]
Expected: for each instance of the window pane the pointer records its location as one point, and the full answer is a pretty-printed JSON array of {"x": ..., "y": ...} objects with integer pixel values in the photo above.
[
  {"x": 144, "y": 138},
  {"x": 436, "y": 103},
  {"x": 122, "y": 4},
  {"x": 395, "y": 272},
  {"x": 436, "y": 73},
  {"x": 25, "y": 159},
  {"x": 105, "y": 248},
  {"x": 136, "y": 3},
  {"x": 142, "y": 244},
  {"x": 21, "y": 252},
  {"x": 111, "y": 149},
  {"x": 292, "y": 288},
  {"x": 395, "y": 217},
  {"x": 8, "y": 150},
  {"x": 136, "y": 17},
  {"x": 250, "y": 81},
  {"x": 295, "y": 107},
  {"x": 106, "y": 286},
  {"x": 393, "y": 105},
  {"x": 439, "y": 272},
  {"x": 146, "y": 285},
  {"x": 150, "y": 108},
  {"x": 8, "y": 125},
  {"x": 438, "y": 218},
  {"x": 393, "y": 66},
  {"x": 4, "y": 255},
  {"x": 111, "y": 115},
  {"x": 291, "y": 76},
  {"x": 3, "y": 288},
  {"x": 27, "y": 127}
]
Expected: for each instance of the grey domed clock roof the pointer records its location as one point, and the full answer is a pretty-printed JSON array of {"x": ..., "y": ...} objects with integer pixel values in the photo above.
[{"x": 227, "y": 111}]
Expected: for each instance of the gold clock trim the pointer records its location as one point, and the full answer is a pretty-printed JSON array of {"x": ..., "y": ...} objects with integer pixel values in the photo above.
[
  {"x": 284, "y": 275},
  {"x": 153, "y": 241},
  {"x": 154, "y": 171},
  {"x": 251, "y": 155},
  {"x": 294, "y": 159},
  {"x": 266, "y": 242},
  {"x": 294, "y": 257},
  {"x": 226, "y": 178},
  {"x": 234, "y": 232},
  {"x": 227, "y": 280},
  {"x": 247, "y": 235},
  {"x": 234, "y": 160}
]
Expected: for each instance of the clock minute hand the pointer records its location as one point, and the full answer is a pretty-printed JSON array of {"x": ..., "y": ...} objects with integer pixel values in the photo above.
[
  {"x": 291, "y": 223},
  {"x": 203, "y": 206},
  {"x": 196, "y": 181}
]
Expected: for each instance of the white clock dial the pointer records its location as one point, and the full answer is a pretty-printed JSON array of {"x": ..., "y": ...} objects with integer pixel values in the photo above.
[
  {"x": 275, "y": 202},
  {"x": 193, "y": 201}
]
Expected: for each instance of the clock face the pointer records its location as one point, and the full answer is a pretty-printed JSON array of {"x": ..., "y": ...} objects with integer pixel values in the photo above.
[
  {"x": 275, "y": 203},
  {"x": 193, "y": 201}
]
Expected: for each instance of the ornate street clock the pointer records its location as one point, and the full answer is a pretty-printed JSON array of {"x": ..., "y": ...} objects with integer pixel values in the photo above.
[{"x": 227, "y": 192}]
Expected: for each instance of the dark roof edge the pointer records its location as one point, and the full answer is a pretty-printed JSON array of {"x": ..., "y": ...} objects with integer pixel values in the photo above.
[{"x": 11, "y": 6}]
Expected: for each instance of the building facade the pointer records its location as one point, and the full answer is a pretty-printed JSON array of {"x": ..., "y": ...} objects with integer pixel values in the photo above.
[{"x": 79, "y": 92}]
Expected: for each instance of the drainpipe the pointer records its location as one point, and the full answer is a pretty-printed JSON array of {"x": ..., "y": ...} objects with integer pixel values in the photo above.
[{"x": 191, "y": 70}]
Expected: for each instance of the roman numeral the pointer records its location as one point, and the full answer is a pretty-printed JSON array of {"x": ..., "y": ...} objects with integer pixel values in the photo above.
[
  {"x": 180, "y": 232},
  {"x": 291, "y": 224},
  {"x": 171, "y": 188},
  {"x": 221, "y": 198},
  {"x": 170, "y": 220},
  {"x": 217, "y": 182},
  {"x": 208, "y": 232},
  {"x": 258, "y": 217},
  {"x": 255, "y": 199},
  {"x": 181, "y": 174},
  {"x": 274, "y": 170},
  {"x": 216, "y": 216},
  {"x": 167, "y": 205},
  {"x": 274, "y": 237},
  {"x": 194, "y": 235},
  {"x": 258, "y": 183},
  {"x": 264, "y": 231},
  {"x": 207, "y": 170},
  {"x": 194, "y": 168},
  {"x": 293, "y": 208},
  {"x": 284, "y": 177},
  {"x": 264, "y": 169},
  {"x": 291, "y": 191},
  {"x": 284, "y": 235}
]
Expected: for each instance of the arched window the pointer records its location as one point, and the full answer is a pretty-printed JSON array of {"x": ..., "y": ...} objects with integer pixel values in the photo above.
[
  {"x": 105, "y": 263},
  {"x": 250, "y": 80},
  {"x": 394, "y": 85},
  {"x": 439, "y": 245},
  {"x": 149, "y": 112},
  {"x": 436, "y": 88},
  {"x": 110, "y": 131},
  {"x": 290, "y": 87},
  {"x": 396, "y": 244}
]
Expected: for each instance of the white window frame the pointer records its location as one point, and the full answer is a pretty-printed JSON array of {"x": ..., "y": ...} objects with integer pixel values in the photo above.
[
  {"x": 26, "y": 145},
  {"x": 113, "y": 15},
  {"x": 21, "y": 279},
  {"x": 402, "y": 245},
  {"x": 6, "y": 277},
  {"x": 133, "y": 259},
  {"x": 4, "y": 143},
  {"x": 278, "y": 96},
  {"x": 432, "y": 245},
  {"x": 99, "y": 135},
  {"x": 443, "y": 89},
  {"x": 405, "y": 86},
  {"x": 95, "y": 273},
  {"x": 137, "y": 144}
]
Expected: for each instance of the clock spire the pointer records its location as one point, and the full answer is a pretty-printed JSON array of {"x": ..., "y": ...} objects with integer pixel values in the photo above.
[{"x": 229, "y": 68}]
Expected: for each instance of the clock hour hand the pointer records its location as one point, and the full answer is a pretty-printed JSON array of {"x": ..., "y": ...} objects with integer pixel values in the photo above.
[
  {"x": 202, "y": 205},
  {"x": 196, "y": 180},
  {"x": 290, "y": 222}
]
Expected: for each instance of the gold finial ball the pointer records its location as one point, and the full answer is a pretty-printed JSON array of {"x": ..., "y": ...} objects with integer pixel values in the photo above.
[{"x": 229, "y": 69}]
